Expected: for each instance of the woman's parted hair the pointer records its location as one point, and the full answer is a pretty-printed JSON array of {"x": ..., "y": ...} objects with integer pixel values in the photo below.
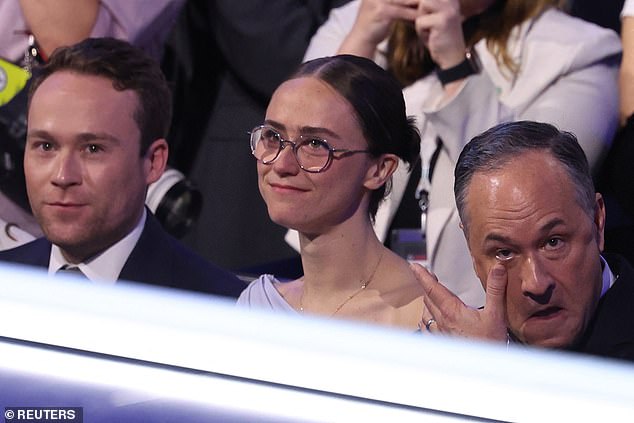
[
  {"x": 377, "y": 100},
  {"x": 129, "y": 68}
]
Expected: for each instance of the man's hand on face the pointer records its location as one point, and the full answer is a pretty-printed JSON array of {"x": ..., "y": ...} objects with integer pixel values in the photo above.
[{"x": 446, "y": 313}]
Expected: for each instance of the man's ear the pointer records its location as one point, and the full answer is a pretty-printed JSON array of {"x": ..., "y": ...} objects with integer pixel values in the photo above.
[
  {"x": 599, "y": 220},
  {"x": 381, "y": 171},
  {"x": 155, "y": 160}
]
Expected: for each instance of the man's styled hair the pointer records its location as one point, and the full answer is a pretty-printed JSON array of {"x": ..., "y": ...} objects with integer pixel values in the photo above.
[
  {"x": 495, "y": 147},
  {"x": 129, "y": 68}
]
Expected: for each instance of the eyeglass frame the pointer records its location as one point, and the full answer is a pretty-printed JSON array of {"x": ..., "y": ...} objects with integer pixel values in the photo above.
[{"x": 294, "y": 146}]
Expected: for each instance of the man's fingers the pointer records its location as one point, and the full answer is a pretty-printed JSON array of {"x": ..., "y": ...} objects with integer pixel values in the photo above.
[
  {"x": 434, "y": 290},
  {"x": 442, "y": 305},
  {"x": 402, "y": 12},
  {"x": 412, "y": 4},
  {"x": 429, "y": 326},
  {"x": 496, "y": 290},
  {"x": 452, "y": 316},
  {"x": 426, "y": 279}
]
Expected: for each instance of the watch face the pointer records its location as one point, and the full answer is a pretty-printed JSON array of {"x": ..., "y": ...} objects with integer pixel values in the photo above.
[{"x": 473, "y": 60}]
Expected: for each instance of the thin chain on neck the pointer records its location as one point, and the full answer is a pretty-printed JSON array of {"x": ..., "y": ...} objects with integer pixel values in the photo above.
[{"x": 364, "y": 285}]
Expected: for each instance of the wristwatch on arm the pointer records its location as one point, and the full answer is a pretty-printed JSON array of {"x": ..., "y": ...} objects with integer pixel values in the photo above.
[{"x": 469, "y": 66}]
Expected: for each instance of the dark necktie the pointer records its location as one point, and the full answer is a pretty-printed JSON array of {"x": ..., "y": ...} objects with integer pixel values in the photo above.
[{"x": 69, "y": 269}]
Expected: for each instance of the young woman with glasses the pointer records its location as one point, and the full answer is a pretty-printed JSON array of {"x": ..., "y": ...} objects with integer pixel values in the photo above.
[{"x": 333, "y": 136}]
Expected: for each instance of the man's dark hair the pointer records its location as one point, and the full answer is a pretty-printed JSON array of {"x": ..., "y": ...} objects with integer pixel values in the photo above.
[
  {"x": 129, "y": 68},
  {"x": 495, "y": 147}
]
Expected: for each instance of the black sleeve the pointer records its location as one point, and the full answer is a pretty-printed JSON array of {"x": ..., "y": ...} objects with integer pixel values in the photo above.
[{"x": 264, "y": 41}]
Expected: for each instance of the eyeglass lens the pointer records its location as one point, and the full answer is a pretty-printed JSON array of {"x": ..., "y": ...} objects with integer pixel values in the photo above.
[{"x": 311, "y": 153}]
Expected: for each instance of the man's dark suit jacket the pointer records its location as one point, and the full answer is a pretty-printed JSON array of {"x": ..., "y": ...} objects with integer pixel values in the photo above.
[
  {"x": 611, "y": 330},
  {"x": 157, "y": 259}
]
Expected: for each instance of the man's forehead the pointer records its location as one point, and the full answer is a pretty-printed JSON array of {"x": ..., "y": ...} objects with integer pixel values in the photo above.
[
  {"x": 527, "y": 162},
  {"x": 525, "y": 171},
  {"x": 532, "y": 185}
]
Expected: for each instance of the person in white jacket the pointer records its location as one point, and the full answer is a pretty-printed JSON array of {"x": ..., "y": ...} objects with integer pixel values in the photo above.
[
  {"x": 467, "y": 65},
  {"x": 626, "y": 86}
]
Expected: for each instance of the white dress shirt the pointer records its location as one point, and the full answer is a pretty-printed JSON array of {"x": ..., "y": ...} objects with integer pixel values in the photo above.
[
  {"x": 608, "y": 277},
  {"x": 105, "y": 266}
]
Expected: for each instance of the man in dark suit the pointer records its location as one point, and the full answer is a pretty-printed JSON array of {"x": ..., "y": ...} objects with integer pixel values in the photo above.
[
  {"x": 97, "y": 118},
  {"x": 535, "y": 229}
]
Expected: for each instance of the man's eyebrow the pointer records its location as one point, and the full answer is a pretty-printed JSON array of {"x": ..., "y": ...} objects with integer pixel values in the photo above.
[
  {"x": 97, "y": 136},
  {"x": 497, "y": 237},
  {"x": 39, "y": 133},
  {"x": 547, "y": 227},
  {"x": 314, "y": 130},
  {"x": 82, "y": 137}
]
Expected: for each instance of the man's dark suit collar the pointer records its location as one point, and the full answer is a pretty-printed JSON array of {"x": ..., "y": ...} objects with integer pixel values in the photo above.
[{"x": 611, "y": 331}]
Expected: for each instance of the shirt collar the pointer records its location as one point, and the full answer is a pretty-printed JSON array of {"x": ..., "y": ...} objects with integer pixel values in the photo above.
[
  {"x": 105, "y": 266},
  {"x": 608, "y": 277}
]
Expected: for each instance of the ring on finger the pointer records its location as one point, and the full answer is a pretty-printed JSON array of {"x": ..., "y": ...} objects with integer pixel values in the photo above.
[{"x": 429, "y": 323}]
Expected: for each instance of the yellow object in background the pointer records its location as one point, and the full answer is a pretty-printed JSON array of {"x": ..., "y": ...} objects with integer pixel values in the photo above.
[{"x": 12, "y": 80}]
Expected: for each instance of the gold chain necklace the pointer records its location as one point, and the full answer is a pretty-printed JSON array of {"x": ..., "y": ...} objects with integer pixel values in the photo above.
[{"x": 364, "y": 285}]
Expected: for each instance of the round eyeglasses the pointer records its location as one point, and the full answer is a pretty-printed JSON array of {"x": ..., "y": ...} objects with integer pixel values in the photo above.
[{"x": 313, "y": 154}]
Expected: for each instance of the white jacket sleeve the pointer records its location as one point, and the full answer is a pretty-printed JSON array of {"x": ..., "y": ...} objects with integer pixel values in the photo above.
[{"x": 331, "y": 34}]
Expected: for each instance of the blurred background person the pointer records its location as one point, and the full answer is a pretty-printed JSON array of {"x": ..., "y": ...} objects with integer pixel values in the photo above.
[
  {"x": 615, "y": 181},
  {"x": 626, "y": 77},
  {"x": 465, "y": 66},
  {"x": 144, "y": 23},
  {"x": 333, "y": 136},
  {"x": 605, "y": 13}
]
